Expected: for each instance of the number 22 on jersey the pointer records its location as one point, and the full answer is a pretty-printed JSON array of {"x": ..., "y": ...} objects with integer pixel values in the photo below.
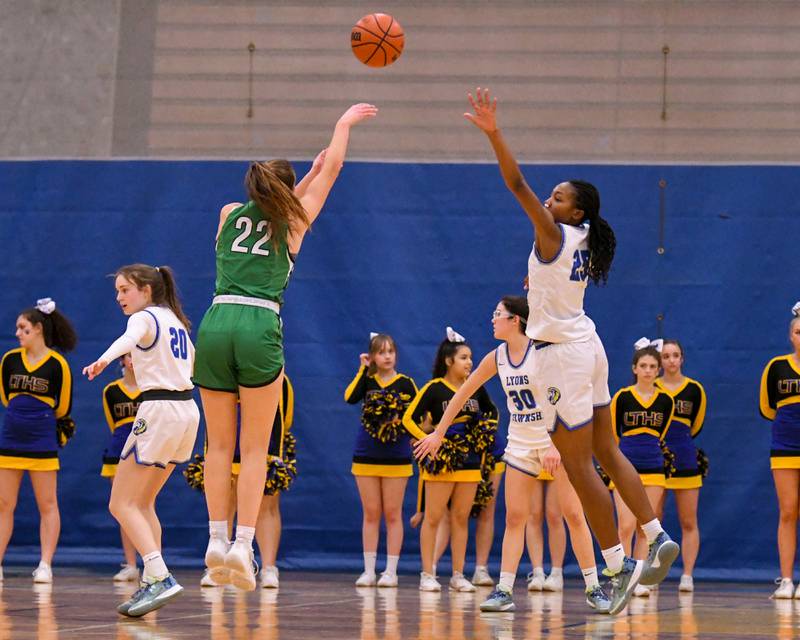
[
  {"x": 246, "y": 225},
  {"x": 580, "y": 265}
]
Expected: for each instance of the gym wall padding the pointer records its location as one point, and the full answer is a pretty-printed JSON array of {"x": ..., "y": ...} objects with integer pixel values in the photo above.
[{"x": 409, "y": 249}]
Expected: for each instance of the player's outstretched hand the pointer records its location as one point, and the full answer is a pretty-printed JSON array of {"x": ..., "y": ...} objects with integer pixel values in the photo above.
[
  {"x": 428, "y": 446},
  {"x": 357, "y": 113},
  {"x": 95, "y": 369},
  {"x": 484, "y": 108}
]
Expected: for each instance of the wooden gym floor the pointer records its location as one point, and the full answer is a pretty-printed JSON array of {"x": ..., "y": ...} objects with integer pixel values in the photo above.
[{"x": 81, "y": 604}]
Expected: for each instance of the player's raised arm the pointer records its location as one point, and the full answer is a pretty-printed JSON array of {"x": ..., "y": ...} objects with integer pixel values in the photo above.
[{"x": 483, "y": 116}]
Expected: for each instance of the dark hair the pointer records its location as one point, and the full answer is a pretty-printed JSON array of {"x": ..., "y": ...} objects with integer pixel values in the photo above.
[
  {"x": 163, "y": 289},
  {"x": 641, "y": 353},
  {"x": 57, "y": 330},
  {"x": 518, "y": 305},
  {"x": 677, "y": 344},
  {"x": 602, "y": 242},
  {"x": 271, "y": 186},
  {"x": 376, "y": 343},
  {"x": 446, "y": 350}
]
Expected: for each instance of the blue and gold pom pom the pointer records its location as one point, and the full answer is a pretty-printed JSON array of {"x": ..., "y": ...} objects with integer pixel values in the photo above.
[{"x": 382, "y": 414}]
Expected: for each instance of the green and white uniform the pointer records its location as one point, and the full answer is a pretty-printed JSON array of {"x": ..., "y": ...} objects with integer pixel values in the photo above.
[{"x": 240, "y": 340}]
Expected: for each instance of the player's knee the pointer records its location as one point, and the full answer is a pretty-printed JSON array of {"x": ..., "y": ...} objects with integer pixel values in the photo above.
[{"x": 517, "y": 516}]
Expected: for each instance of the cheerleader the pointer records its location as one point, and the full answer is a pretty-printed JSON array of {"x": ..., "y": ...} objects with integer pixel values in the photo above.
[
  {"x": 780, "y": 403},
  {"x": 528, "y": 453},
  {"x": 687, "y": 477},
  {"x": 36, "y": 389},
  {"x": 454, "y": 477},
  {"x": 163, "y": 434},
  {"x": 382, "y": 454},
  {"x": 545, "y": 507},
  {"x": 641, "y": 416},
  {"x": 574, "y": 244},
  {"x": 120, "y": 404}
]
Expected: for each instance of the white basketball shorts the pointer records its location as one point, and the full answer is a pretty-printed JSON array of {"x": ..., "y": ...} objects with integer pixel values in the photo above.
[
  {"x": 163, "y": 433},
  {"x": 572, "y": 377}
]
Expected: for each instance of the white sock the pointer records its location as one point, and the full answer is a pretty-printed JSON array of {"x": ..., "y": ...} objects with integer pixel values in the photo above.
[
  {"x": 370, "y": 558},
  {"x": 652, "y": 529},
  {"x": 433, "y": 570},
  {"x": 538, "y": 572},
  {"x": 154, "y": 566},
  {"x": 506, "y": 582},
  {"x": 556, "y": 571},
  {"x": 43, "y": 565},
  {"x": 483, "y": 567},
  {"x": 245, "y": 534},
  {"x": 614, "y": 557},
  {"x": 590, "y": 577},
  {"x": 391, "y": 564},
  {"x": 218, "y": 529}
]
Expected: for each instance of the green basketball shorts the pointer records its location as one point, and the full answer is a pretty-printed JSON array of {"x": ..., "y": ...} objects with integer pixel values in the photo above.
[{"x": 238, "y": 345}]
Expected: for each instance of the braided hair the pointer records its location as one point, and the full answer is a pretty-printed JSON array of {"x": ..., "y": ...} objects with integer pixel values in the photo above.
[{"x": 602, "y": 242}]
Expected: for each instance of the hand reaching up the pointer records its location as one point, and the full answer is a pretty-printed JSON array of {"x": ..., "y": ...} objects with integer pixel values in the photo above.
[{"x": 484, "y": 108}]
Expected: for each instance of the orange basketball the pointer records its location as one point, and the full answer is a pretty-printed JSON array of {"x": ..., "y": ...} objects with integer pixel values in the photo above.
[{"x": 377, "y": 40}]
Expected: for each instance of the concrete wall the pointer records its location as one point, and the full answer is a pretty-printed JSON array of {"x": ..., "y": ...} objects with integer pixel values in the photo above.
[{"x": 578, "y": 80}]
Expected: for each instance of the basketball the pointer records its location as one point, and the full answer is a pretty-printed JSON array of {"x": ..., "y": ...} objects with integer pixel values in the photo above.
[{"x": 377, "y": 40}]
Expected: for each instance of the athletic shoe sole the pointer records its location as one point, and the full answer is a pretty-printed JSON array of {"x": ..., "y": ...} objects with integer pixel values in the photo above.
[
  {"x": 665, "y": 556},
  {"x": 635, "y": 578},
  {"x": 138, "y": 610},
  {"x": 241, "y": 576}
]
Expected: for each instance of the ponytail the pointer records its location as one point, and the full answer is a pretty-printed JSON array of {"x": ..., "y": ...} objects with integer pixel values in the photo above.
[
  {"x": 57, "y": 330},
  {"x": 270, "y": 185},
  {"x": 163, "y": 289},
  {"x": 602, "y": 242}
]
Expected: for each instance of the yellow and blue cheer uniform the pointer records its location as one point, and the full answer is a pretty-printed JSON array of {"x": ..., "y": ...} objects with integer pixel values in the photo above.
[
  {"x": 120, "y": 405},
  {"x": 780, "y": 402}
]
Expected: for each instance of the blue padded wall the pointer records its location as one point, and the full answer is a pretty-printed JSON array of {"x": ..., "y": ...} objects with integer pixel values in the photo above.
[{"x": 408, "y": 249}]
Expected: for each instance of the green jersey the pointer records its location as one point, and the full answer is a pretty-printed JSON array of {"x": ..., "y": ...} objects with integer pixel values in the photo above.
[{"x": 248, "y": 264}]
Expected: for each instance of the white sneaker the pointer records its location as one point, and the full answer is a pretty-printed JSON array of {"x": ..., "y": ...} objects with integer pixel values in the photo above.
[
  {"x": 366, "y": 580},
  {"x": 535, "y": 581},
  {"x": 43, "y": 574},
  {"x": 459, "y": 583},
  {"x": 785, "y": 590},
  {"x": 128, "y": 573},
  {"x": 553, "y": 583},
  {"x": 241, "y": 564},
  {"x": 269, "y": 578},
  {"x": 388, "y": 580},
  {"x": 207, "y": 580},
  {"x": 428, "y": 583},
  {"x": 687, "y": 584},
  {"x": 481, "y": 578},
  {"x": 215, "y": 561},
  {"x": 641, "y": 591}
]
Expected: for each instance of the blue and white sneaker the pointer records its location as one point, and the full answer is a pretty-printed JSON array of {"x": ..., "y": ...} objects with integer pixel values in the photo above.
[
  {"x": 123, "y": 608},
  {"x": 597, "y": 599},
  {"x": 499, "y": 600},
  {"x": 154, "y": 596},
  {"x": 662, "y": 553},
  {"x": 623, "y": 583}
]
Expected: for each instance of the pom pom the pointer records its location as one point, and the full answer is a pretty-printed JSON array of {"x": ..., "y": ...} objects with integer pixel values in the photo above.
[
  {"x": 702, "y": 462},
  {"x": 603, "y": 475},
  {"x": 382, "y": 414},
  {"x": 485, "y": 492},
  {"x": 480, "y": 433},
  {"x": 450, "y": 457},
  {"x": 194, "y": 472},
  {"x": 669, "y": 461},
  {"x": 65, "y": 429},
  {"x": 282, "y": 472}
]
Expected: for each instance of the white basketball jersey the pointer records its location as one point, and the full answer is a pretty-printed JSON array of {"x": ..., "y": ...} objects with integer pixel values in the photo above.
[
  {"x": 527, "y": 428},
  {"x": 556, "y": 288},
  {"x": 165, "y": 357}
]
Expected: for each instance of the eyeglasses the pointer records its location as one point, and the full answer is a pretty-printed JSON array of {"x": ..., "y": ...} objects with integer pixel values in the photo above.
[{"x": 499, "y": 314}]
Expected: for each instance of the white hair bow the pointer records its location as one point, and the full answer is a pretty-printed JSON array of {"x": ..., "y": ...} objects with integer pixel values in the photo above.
[
  {"x": 643, "y": 343},
  {"x": 372, "y": 334},
  {"x": 46, "y": 305},
  {"x": 454, "y": 336},
  {"x": 796, "y": 309}
]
